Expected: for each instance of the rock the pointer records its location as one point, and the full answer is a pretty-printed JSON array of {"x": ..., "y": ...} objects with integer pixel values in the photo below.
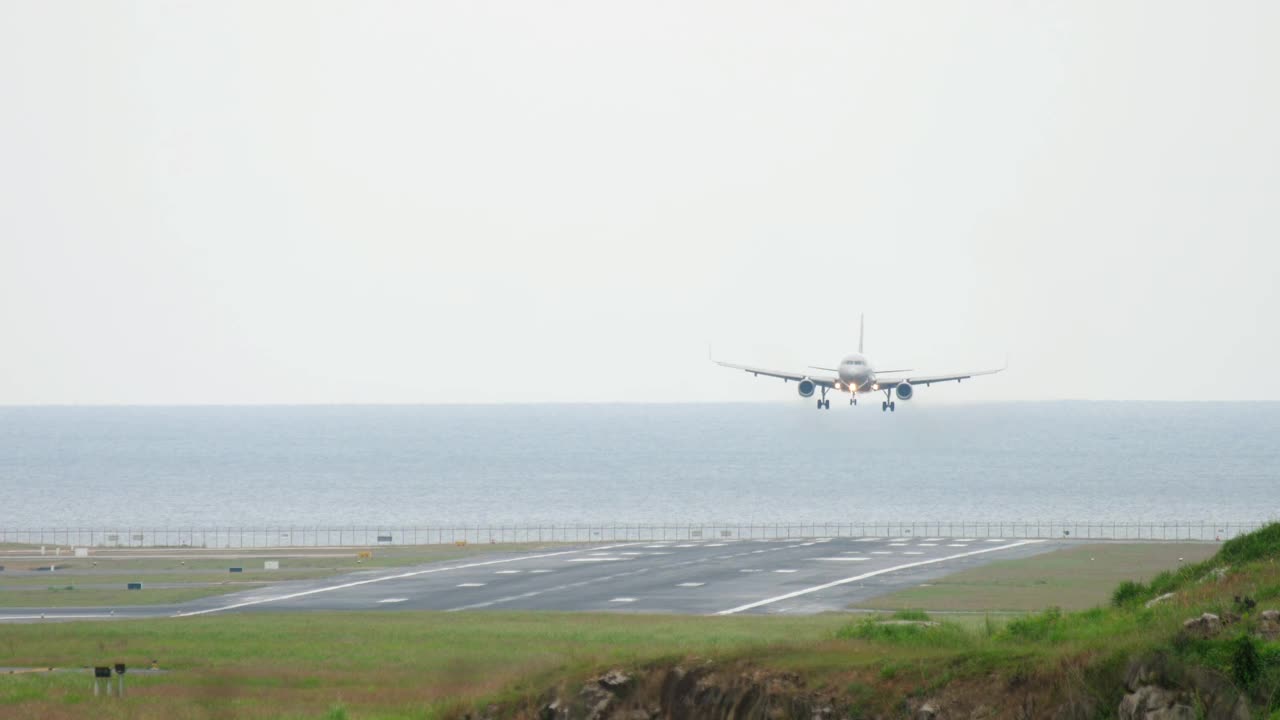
[
  {"x": 1157, "y": 600},
  {"x": 1207, "y": 625},
  {"x": 554, "y": 710},
  {"x": 1151, "y": 702},
  {"x": 614, "y": 680},
  {"x": 1217, "y": 574},
  {"x": 927, "y": 711},
  {"x": 595, "y": 700},
  {"x": 1269, "y": 625}
]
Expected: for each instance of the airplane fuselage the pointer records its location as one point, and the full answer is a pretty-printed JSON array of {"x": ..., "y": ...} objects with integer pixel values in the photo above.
[{"x": 855, "y": 372}]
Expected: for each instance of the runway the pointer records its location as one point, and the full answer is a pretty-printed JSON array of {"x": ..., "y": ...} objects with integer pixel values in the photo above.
[{"x": 698, "y": 578}]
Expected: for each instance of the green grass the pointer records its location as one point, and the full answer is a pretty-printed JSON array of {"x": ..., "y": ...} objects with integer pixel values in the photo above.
[
  {"x": 391, "y": 664},
  {"x": 1074, "y": 578}
]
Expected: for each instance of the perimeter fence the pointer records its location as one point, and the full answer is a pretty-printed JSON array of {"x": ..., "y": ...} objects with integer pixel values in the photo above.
[{"x": 381, "y": 535}]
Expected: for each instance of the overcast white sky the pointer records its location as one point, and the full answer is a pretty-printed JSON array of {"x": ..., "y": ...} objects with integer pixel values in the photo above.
[{"x": 491, "y": 201}]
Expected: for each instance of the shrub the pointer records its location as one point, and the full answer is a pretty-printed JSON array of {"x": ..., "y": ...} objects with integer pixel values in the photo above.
[
  {"x": 1128, "y": 593},
  {"x": 1261, "y": 543},
  {"x": 911, "y": 615},
  {"x": 1246, "y": 665},
  {"x": 1034, "y": 627}
]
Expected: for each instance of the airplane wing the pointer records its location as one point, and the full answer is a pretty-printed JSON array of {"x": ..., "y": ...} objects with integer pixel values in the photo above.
[
  {"x": 820, "y": 380},
  {"x": 889, "y": 383}
]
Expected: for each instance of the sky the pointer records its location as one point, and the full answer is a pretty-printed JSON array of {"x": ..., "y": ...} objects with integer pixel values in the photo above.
[{"x": 500, "y": 201}]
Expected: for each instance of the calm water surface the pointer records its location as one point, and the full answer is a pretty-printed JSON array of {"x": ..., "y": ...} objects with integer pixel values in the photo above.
[{"x": 431, "y": 465}]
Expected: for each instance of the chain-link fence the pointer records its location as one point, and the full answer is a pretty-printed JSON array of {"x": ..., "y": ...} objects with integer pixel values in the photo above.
[{"x": 374, "y": 535}]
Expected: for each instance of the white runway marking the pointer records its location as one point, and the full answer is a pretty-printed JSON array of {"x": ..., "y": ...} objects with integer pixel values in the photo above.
[
  {"x": 471, "y": 585},
  {"x": 933, "y": 539},
  {"x": 686, "y": 546},
  {"x": 958, "y": 545},
  {"x": 506, "y": 572},
  {"x": 791, "y": 571},
  {"x": 623, "y": 600},
  {"x": 912, "y": 552},
  {"x": 651, "y": 547},
  {"x": 715, "y": 545},
  {"x": 881, "y": 552},
  {"x": 594, "y": 559},
  {"x": 690, "y": 584},
  {"x": 393, "y": 600},
  {"x": 749, "y": 570},
  {"x": 852, "y": 552},
  {"x": 369, "y": 581},
  {"x": 991, "y": 540},
  {"x": 846, "y": 559},
  {"x": 873, "y": 573},
  {"x": 920, "y": 545},
  {"x": 632, "y": 553},
  {"x": 897, "y": 544},
  {"x": 539, "y": 571},
  {"x": 867, "y": 539}
]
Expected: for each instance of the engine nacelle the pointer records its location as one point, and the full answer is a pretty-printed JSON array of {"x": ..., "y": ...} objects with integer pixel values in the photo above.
[
  {"x": 904, "y": 391},
  {"x": 806, "y": 388}
]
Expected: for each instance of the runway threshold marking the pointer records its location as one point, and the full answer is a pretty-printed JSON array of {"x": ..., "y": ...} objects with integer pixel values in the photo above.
[
  {"x": 873, "y": 573},
  {"x": 370, "y": 581}
]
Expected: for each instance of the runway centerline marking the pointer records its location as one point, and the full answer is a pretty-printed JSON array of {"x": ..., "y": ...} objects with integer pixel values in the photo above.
[
  {"x": 873, "y": 573},
  {"x": 370, "y": 581},
  {"x": 393, "y": 600},
  {"x": 470, "y": 584},
  {"x": 623, "y": 600},
  {"x": 690, "y": 584}
]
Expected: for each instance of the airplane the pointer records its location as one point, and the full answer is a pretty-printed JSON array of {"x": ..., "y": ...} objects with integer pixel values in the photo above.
[{"x": 855, "y": 375}]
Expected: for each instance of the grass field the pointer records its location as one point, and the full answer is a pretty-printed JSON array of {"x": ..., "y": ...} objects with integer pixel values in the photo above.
[
  {"x": 1074, "y": 578},
  {"x": 64, "y": 586},
  {"x": 401, "y": 664}
]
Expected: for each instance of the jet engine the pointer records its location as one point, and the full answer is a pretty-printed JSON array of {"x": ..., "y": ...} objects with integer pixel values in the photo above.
[
  {"x": 806, "y": 388},
  {"x": 904, "y": 391}
]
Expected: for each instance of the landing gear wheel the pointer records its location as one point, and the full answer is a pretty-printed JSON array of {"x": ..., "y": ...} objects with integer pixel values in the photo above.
[
  {"x": 826, "y": 404},
  {"x": 892, "y": 406},
  {"x": 819, "y": 403},
  {"x": 884, "y": 406}
]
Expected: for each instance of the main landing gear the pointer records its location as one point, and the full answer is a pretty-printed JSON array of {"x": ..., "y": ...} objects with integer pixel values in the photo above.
[
  {"x": 823, "y": 402},
  {"x": 887, "y": 404}
]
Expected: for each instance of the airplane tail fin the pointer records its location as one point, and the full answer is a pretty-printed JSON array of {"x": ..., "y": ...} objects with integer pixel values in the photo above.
[{"x": 861, "y": 326}]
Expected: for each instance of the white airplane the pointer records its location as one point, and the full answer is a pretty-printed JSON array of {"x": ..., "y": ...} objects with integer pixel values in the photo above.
[{"x": 855, "y": 375}]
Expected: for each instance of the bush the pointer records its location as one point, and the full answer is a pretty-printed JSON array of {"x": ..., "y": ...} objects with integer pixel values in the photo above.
[
  {"x": 1128, "y": 593},
  {"x": 1035, "y": 627},
  {"x": 1246, "y": 664},
  {"x": 1261, "y": 543},
  {"x": 911, "y": 615}
]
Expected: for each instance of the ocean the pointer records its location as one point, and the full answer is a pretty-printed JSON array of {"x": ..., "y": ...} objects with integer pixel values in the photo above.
[{"x": 636, "y": 463}]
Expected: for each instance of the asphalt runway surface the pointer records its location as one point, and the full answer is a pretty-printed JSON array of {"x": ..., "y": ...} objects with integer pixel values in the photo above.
[{"x": 693, "y": 577}]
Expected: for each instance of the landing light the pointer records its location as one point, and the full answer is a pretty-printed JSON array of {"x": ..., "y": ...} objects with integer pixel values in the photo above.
[{"x": 876, "y": 386}]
